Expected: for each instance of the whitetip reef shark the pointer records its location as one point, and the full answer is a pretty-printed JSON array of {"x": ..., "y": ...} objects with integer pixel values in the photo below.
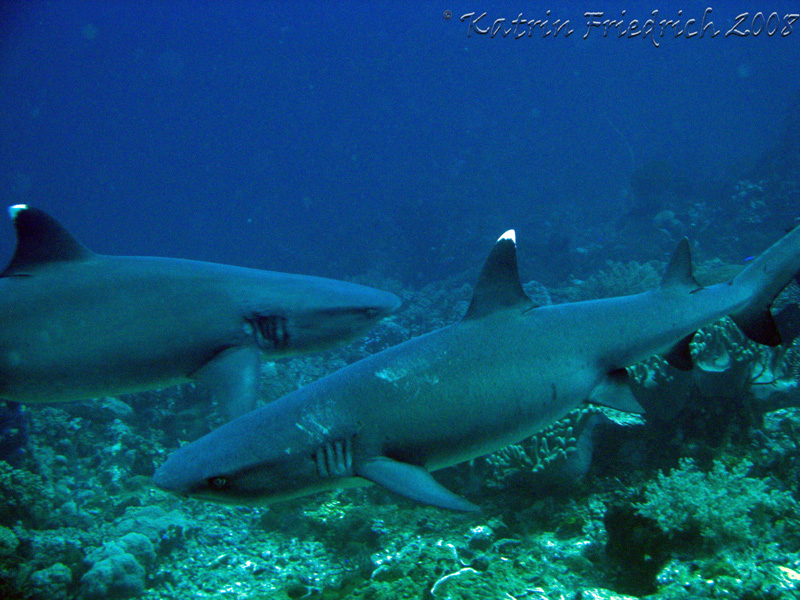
[
  {"x": 505, "y": 371},
  {"x": 75, "y": 324}
]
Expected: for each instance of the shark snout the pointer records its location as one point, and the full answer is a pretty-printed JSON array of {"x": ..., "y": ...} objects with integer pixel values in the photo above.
[
  {"x": 187, "y": 468},
  {"x": 381, "y": 304},
  {"x": 355, "y": 309},
  {"x": 167, "y": 478}
]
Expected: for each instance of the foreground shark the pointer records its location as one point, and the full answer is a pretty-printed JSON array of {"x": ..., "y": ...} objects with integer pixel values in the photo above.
[
  {"x": 506, "y": 370},
  {"x": 75, "y": 324}
]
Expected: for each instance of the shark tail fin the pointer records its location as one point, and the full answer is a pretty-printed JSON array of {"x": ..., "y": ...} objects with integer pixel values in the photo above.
[{"x": 764, "y": 278}]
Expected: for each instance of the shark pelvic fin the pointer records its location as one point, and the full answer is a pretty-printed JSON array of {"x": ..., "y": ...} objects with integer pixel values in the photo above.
[
  {"x": 680, "y": 355},
  {"x": 788, "y": 322},
  {"x": 232, "y": 377},
  {"x": 765, "y": 277},
  {"x": 615, "y": 392},
  {"x": 498, "y": 285},
  {"x": 759, "y": 326},
  {"x": 41, "y": 240},
  {"x": 412, "y": 482},
  {"x": 679, "y": 270}
]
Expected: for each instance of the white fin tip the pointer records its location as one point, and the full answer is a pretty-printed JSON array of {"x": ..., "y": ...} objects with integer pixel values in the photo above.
[
  {"x": 509, "y": 235},
  {"x": 14, "y": 210}
]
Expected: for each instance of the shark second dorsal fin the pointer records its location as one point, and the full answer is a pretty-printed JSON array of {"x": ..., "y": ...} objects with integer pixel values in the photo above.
[
  {"x": 498, "y": 285},
  {"x": 41, "y": 240},
  {"x": 679, "y": 270}
]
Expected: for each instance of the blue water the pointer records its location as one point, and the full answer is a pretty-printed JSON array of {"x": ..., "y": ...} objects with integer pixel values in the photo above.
[{"x": 346, "y": 138}]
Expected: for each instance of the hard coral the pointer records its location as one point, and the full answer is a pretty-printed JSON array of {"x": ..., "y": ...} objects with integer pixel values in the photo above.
[
  {"x": 24, "y": 496},
  {"x": 722, "y": 506}
]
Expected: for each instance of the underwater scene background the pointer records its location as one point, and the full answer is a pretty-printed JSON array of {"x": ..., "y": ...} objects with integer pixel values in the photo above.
[{"x": 390, "y": 144}]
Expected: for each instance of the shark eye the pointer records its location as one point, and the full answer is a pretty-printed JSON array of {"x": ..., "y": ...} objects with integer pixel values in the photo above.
[{"x": 218, "y": 483}]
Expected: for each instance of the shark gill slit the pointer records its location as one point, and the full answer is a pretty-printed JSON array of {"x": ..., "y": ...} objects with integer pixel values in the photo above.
[
  {"x": 334, "y": 459},
  {"x": 271, "y": 331}
]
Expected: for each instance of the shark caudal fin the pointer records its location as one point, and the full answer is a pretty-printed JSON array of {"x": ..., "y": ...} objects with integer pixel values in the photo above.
[{"x": 764, "y": 278}]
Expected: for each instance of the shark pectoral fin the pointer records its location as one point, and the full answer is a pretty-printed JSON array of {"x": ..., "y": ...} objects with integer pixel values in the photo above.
[
  {"x": 614, "y": 392},
  {"x": 412, "y": 482},
  {"x": 680, "y": 355},
  {"x": 232, "y": 377}
]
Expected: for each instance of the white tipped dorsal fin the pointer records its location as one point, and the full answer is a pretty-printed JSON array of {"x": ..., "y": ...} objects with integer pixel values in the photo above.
[
  {"x": 498, "y": 285},
  {"x": 16, "y": 209},
  {"x": 509, "y": 235},
  {"x": 41, "y": 240}
]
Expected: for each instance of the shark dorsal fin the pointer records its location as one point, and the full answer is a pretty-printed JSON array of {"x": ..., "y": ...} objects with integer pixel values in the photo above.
[
  {"x": 498, "y": 285},
  {"x": 41, "y": 240},
  {"x": 679, "y": 270}
]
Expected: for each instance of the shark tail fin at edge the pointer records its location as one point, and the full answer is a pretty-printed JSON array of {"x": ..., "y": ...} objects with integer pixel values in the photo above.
[{"x": 766, "y": 276}]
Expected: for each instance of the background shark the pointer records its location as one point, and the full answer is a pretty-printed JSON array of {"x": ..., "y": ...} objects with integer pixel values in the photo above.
[
  {"x": 505, "y": 371},
  {"x": 76, "y": 324}
]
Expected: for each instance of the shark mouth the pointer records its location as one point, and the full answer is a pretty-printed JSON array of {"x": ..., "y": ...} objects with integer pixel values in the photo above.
[{"x": 334, "y": 459}]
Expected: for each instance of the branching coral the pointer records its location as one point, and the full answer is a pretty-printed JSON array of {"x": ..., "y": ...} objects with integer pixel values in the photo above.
[
  {"x": 722, "y": 506},
  {"x": 548, "y": 448},
  {"x": 616, "y": 279}
]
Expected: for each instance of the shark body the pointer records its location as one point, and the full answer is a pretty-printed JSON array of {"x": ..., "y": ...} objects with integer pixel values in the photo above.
[
  {"x": 506, "y": 370},
  {"x": 75, "y": 324}
]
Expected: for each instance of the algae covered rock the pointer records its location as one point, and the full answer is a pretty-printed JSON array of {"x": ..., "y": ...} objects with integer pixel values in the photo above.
[
  {"x": 159, "y": 526},
  {"x": 117, "y": 577},
  {"x": 8, "y": 541},
  {"x": 51, "y": 583},
  {"x": 24, "y": 496}
]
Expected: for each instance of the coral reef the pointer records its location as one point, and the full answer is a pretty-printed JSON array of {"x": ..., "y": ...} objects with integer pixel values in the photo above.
[
  {"x": 117, "y": 576},
  {"x": 614, "y": 279},
  {"x": 723, "y": 506},
  {"x": 24, "y": 497},
  {"x": 51, "y": 583},
  {"x": 560, "y": 454}
]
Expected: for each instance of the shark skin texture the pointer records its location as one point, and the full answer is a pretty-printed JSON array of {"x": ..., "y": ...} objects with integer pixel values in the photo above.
[
  {"x": 505, "y": 371},
  {"x": 77, "y": 325}
]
